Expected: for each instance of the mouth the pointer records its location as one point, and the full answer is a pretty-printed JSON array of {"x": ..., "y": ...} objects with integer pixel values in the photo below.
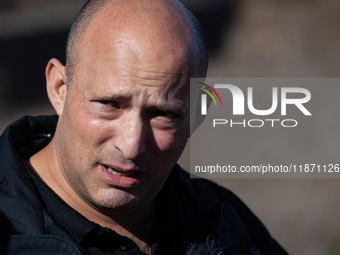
[
  {"x": 117, "y": 172},
  {"x": 122, "y": 178}
]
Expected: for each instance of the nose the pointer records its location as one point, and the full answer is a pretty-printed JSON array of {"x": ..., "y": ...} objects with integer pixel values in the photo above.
[{"x": 131, "y": 137}]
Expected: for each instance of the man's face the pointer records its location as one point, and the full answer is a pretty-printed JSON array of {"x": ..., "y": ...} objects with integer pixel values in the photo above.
[{"x": 125, "y": 121}]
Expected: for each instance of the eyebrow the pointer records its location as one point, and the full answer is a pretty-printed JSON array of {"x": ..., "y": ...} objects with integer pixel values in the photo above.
[
  {"x": 178, "y": 109},
  {"x": 164, "y": 105},
  {"x": 111, "y": 97}
]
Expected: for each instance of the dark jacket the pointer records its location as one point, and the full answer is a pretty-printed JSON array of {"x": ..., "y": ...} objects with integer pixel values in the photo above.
[{"x": 201, "y": 217}]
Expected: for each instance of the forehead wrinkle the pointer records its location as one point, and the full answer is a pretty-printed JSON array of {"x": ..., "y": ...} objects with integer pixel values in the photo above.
[
  {"x": 154, "y": 80},
  {"x": 176, "y": 87},
  {"x": 150, "y": 75}
]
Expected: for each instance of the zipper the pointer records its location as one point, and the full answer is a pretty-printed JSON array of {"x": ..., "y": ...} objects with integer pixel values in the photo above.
[
  {"x": 189, "y": 247},
  {"x": 221, "y": 248},
  {"x": 225, "y": 247}
]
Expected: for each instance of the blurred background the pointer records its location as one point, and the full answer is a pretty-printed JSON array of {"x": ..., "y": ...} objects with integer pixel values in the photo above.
[{"x": 263, "y": 38}]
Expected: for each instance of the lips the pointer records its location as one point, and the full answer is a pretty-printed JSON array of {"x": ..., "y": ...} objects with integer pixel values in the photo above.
[
  {"x": 124, "y": 178},
  {"x": 117, "y": 172}
]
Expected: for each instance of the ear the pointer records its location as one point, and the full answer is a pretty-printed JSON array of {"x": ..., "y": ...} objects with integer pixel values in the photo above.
[{"x": 56, "y": 83}]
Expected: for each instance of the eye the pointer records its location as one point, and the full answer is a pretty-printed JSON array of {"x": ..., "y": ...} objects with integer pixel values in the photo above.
[
  {"x": 164, "y": 113},
  {"x": 113, "y": 104},
  {"x": 166, "y": 119}
]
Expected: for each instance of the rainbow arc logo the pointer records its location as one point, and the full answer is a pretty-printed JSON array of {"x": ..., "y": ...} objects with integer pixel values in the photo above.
[{"x": 204, "y": 97}]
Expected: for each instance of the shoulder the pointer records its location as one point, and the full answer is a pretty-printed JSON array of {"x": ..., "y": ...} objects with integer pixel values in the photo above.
[
  {"x": 222, "y": 213},
  {"x": 201, "y": 191},
  {"x": 20, "y": 205}
]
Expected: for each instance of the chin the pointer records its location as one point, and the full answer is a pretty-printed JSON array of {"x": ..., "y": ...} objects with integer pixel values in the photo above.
[{"x": 118, "y": 202}]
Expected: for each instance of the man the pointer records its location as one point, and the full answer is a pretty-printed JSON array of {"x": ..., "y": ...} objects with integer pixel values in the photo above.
[{"x": 101, "y": 178}]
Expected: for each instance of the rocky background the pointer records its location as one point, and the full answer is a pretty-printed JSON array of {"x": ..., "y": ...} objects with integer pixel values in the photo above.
[{"x": 263, "y": 38}]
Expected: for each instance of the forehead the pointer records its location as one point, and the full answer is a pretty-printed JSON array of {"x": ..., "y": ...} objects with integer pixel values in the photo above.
[
  {"x": 128, "y": 60},
  {"x": 129, "y": 81},
  {"x": 140, "y": 47},
  {"x": 151, "y": 30}
]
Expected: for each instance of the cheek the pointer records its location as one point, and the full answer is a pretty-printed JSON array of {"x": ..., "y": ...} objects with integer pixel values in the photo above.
[
  {"x": 171, "y": 142},
  {"x": 90, "y": 130},
  {"x": 85, "y": 131}
]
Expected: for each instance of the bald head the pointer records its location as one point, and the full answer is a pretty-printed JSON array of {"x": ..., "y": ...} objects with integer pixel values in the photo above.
[{"x": 166, "y": 23}]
